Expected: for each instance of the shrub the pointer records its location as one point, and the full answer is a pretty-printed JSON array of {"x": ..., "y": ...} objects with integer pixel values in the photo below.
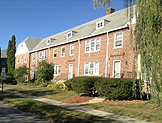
[
  {"x": 9, "y": 80},
  {"x": 83, "y": 84},
  {"x": 20, "y": 74},
  {"x": 68, "y": 84},
  {"x": 116, "y": 89},
  {"x": 44, "y": 71}
]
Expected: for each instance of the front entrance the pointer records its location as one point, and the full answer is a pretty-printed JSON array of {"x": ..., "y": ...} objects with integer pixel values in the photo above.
[
  {"x": 70, "y": 71},
  {"x": 116, "y": 68}
]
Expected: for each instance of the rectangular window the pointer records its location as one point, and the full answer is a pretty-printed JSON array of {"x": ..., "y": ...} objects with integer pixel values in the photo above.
[
  {"x": 33, "y": 57},
  {"x": 118, "y": 40},
  {"x": 63, "y": 51},
  {"x": 57, "y": 69},
  {"x": 25, "y": 58},
  {"x": 17, "y": 60},
  {"x": 21, "y": 59},
  {"x": 72, "y": 49},
  {"x": 54, "y": 53},
  {"x": 40, "y": 55},
  {"x": 92, "y": 45},
  {"x": 91, "y": 68},
  {"x": 43, "y": 55}
]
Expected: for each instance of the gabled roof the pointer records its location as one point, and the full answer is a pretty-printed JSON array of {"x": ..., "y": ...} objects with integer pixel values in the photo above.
[
  {"x": 31, "y": 42},
  {"x": 113, "y": 21},
  {"x": 3, "y": 54}
]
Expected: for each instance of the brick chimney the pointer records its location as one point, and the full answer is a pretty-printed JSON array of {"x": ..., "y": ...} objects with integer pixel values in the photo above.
[{"x": 109, "y": 11}]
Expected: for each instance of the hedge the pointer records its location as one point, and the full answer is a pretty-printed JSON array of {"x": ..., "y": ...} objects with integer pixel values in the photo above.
[
  {"x": 9, "y": 80},
  {"x": 115, "y": 89}
]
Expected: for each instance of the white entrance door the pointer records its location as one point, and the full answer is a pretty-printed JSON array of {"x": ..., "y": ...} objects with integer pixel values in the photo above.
[
  {"x": 70, "y": 71},
  {"x": 116, "y": 71}
]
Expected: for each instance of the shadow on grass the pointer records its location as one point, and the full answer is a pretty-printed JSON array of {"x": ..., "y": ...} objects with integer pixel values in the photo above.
[{"x": 51, "y": 113}]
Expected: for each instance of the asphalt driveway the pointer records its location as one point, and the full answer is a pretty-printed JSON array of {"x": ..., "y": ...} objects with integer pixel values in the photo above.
[{"x": 11, "y": 115}]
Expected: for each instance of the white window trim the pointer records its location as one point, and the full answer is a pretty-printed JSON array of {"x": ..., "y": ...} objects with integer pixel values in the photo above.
[
  {"x": 33, "y": 57},
  {"x": 43, "y": 55},
  {"x": 57, "y": 70},
  {"x": 17, "y": 60},
  {"x": 94, "y": 69},
  {"x": 61, "y": 51},
  {"x": 70, "y": 49},
  {"x": 115, "y": 41},
  {"x": 94, "y": 44},
  {"x": 48, "y": 41},
  {"x": 21, "y": 59},
  {"x": 114, "y": 67},
  {"x": 25, "y": 59},
  {"x": 68, "y": 34},
  {"x": 56, "y": 52},
  {"x": 102, "y": 24}
]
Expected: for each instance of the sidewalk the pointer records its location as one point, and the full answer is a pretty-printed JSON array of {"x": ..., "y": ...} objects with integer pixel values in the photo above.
[
  {"x": 11, "y": 115},
  {"x": 81, "y": 109}
]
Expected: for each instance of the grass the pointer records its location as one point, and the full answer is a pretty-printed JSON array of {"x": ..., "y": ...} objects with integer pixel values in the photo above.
[
  {"x": 49, "y": 93},
  {"x": 51, "y": 113},
  {"x": 143, "y": 111}
]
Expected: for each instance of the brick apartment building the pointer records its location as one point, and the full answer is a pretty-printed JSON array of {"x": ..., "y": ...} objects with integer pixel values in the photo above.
[{"x": 97, "y": 48}]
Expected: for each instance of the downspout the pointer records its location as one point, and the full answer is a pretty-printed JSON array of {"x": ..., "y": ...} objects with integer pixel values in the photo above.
[
  {"x": 29, "y": 65},
  {"x": 107, "y": 54},
  {"x": 36, "y": 58},
  {"x": 49, "y": 55},
  {"x": 79, "y": 58}
]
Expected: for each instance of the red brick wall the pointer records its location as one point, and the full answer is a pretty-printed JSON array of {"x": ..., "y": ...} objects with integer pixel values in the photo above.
[{"x": 125, "y": 54}]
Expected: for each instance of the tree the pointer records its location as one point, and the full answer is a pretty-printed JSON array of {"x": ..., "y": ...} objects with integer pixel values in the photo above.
[
  {"x": 0, "y": 60},
  {"x": 44, "y": 71},
  {"x": 11, "y": 50},
  {"x": 148, "y": 41},
  {"x": 20, "y": 74}
]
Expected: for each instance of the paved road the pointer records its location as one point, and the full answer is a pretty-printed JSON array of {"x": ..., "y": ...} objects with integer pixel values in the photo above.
[{"x": 11, "y": 115}]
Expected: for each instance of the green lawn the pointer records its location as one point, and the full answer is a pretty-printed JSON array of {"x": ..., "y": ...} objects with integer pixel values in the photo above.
[
  {"x": 54, "y": 94},
  {"x": 143, "y": 111},
  {"x": 51, "y": 113}
]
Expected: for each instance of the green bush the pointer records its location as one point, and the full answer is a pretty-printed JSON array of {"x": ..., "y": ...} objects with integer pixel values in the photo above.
[
  {"x": 44, "y": 71},
  {"x": 9, "y": 80},
  {"x": 83, "y": 84},
  {"x": 20, "y": 74},
  {"x": 68, "y": 84},
  {"x": 116, "y": 89}
]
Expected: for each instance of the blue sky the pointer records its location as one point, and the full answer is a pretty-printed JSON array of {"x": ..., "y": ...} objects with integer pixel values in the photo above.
[{"x": 43, "y": 18}]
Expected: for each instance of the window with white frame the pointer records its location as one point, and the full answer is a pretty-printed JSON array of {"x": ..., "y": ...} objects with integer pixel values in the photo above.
[
  {"x": 91, "y": 68},
  {"x": 48, "y": 41},
  {"x": 118, "y": 40},
  {"x": 43, "y": 55},
  {"x": 25, "y": 58},
  {"x": 92, "y": 45},
  {"x": 63, "y": 51},
  {"x": 72, "y": 49},
  {"x": 17, "y": 60},
  {"x": 54, "y": 53},
  {"x": 57, "y": 69},
  {"x": 69, "y": 35},
  {"x": 33, "y": 57},
  {"x": 100, "y": 24},
  {"x": 21, "y": 59}
]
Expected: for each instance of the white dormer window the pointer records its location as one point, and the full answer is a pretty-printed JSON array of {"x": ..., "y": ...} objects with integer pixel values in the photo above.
[
  {"x": 69, "y": 35},
  {"x": 21, "y": 46},
  {"x": 48, "y": 41},
  {"x": 100, "y": 24}
]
